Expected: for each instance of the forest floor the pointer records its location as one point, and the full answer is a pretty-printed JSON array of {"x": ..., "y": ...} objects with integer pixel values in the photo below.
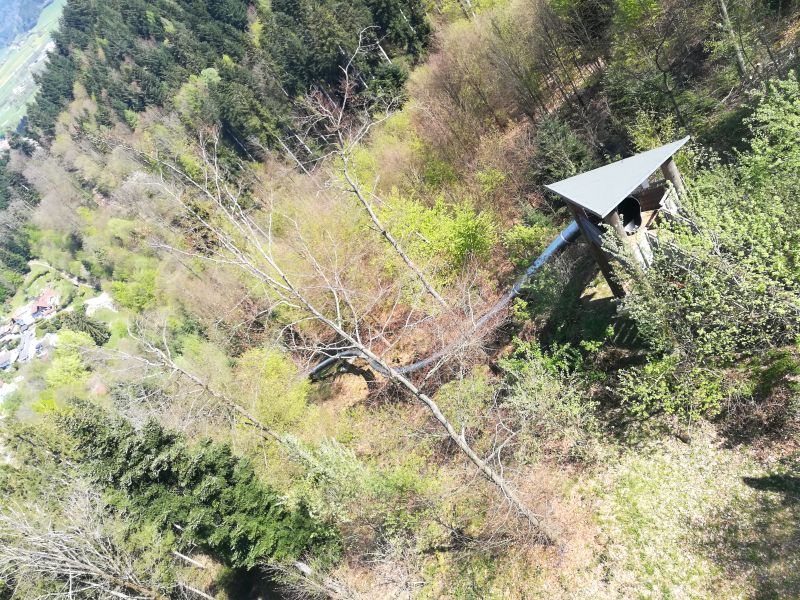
[
  {"x": 696, "y": 520},
  {"x": 666, "y": 519}
]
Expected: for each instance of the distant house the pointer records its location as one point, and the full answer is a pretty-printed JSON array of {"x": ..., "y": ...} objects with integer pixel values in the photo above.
[
  {"x": 23, "y": 316},
  {"x": 45, "y": 304},
  {"x": 8, "y": 358}
]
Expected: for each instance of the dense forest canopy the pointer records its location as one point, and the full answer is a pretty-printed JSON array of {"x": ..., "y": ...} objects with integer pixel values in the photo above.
[
  {"x": 255, "y": 262},
  {"x": 131, "y": 55}
]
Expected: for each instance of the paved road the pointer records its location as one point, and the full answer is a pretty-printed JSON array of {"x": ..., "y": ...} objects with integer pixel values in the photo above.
[{"x": 27, "y": 344}]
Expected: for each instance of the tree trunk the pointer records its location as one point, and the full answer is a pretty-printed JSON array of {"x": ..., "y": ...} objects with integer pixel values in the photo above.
[
  {"x": 728, "y": 27},
  {"x": 671, "y": 173},
  {"x": 599, "y": 255},
  {"x": 547, "y": 534},
  {"x": 356, "y": 190},
  {"x": 616, "y": 224}
]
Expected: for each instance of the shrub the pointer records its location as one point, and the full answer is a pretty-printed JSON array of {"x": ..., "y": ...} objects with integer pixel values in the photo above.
[
  {"x": 138, "y": 293},
  {"x": 131, "y": 118},
  {"x": 549, "y": 405},
  {"x": 560, "y": 153},
  {"x": 725, "y": 281},
  {"x": 269, "y": 379},
  {"x": 775, "y": 127},
  {"x": 490, "y": 179},
  {"x": 672, "y": 387},
  {"x": 67, "y": 368},
  {"x": 339, "y": 487},
  {"x": 466, "y": 401},
  {"x": 445, "y": 235},
  {"x": 524, "y": 242}
]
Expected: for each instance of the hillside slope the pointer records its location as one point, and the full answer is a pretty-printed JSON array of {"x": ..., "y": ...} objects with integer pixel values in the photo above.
[
  {"x": 210, "y": 198},
  {"x": 18, "y": 17}
]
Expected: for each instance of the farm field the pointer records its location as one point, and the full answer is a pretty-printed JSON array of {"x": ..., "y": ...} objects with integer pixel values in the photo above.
[{"x": 18, "y": 63}]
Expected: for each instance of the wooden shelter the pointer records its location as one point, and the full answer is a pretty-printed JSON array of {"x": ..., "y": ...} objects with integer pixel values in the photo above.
[{"x": 626, "y": 197}]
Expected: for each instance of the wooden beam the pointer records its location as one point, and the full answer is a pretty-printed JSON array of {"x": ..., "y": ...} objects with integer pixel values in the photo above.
[
  {"x": 644, "y": 246},
  {"x": 671, "y": 173},
  {"x": 598, "y": 254},
  {"x": 616, "y": 224}
]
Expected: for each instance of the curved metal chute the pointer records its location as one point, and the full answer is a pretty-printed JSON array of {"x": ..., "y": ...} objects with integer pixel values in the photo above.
[{"x": 568, "y": 235}]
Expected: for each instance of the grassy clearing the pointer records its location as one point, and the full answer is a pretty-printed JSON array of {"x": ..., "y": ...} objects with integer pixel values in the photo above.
[{"x": 696, "y": 520}]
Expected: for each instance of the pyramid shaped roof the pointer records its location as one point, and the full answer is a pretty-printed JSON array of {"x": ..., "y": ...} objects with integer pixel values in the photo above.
[{"x": 600, "y": 190}]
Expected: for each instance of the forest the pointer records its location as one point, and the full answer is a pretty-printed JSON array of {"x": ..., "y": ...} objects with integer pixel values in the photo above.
[{"x": 256, "y": 333}]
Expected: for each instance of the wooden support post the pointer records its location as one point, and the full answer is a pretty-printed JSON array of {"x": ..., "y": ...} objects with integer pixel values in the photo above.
[
  {"x": 600, "y": 257},
  {"x": 644, "y": 246},
  {"x": 616, "y": 224},
  {"x": 671, "y": 173}
]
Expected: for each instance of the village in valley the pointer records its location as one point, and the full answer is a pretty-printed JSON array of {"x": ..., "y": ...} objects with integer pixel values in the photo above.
[
  {"x": 18, "y": 336},
  {"x": 29, "y": 331},
  {"x": 18, "y": 341}
]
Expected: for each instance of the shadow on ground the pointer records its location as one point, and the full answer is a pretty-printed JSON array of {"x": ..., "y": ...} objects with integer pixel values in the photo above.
[{"x": 756, "y": 538}]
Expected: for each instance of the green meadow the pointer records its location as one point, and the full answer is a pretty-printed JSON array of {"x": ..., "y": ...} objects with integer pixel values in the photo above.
[{"x": 18, "y": 63}]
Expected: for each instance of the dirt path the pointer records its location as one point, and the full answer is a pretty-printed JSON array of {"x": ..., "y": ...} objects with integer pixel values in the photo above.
[{"x": 69, "y": 277}]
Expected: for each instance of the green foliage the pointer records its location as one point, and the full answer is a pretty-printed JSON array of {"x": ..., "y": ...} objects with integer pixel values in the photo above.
[
  {"x": 15, "y": 248},
  {"x": 732, "y": 275},
  {"x": 560, "y": 153},
  {"x": 670, "y": 386},
  {"x": 270, "y": 382},
  {"x": 437, "y": 172},
  {"x": 194, "y": 101},
  {"x": 549, "y": 403},
  {"x": 300, "y": 44},
  {"x": 131, "y": 118},
  {"x": 66, "y": 371},
  {"x": 448, "y": 235},
  {"x": 338, "y": 486},
  {"x": 190, "y": 167},
  {"x": 523, "y": 241},
  {"x": 155, "y": 476},
  {"x": 724, "y": 284},
  {"x": 44, "y": 486},
  {"x": 138, "y": 292},
  {"x": 490, "y": 180},
  {"x": 650, "y": 130},
  {"x": 465, "y": 401},
  {"x": 67, "y": 368},
  {"x": 334, "y": 480},
  {"x": 775, "y": 126},
  {"x": 630, "y": 14}
]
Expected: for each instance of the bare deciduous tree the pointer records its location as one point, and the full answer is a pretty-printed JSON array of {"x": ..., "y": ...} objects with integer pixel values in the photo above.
[
  {"x": 156, "y": 359},
  {"x": 344, "y": 124},
  {"x": 319, "y": 291},
  {"x": 77, "y": 557}
]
